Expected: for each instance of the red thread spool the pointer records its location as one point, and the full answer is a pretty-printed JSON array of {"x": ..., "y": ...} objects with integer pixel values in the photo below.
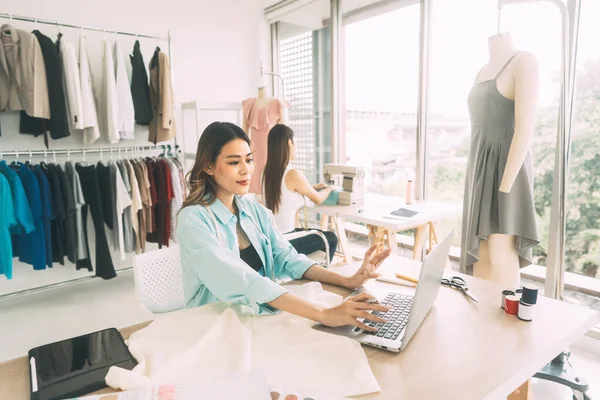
[{"x": 512, "y": 305}]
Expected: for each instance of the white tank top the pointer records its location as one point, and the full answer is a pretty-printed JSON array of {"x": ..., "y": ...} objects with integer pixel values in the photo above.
[{"x": 290, "y": 203}]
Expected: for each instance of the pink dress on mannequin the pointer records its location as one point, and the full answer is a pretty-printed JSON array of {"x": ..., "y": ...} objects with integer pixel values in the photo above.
[{"x": 260, "y": 120}]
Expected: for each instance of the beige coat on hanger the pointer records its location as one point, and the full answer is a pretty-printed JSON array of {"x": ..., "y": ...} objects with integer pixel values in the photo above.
[
  {"x": 23, "y": 84},
  {"x": 162, "y": 126}
]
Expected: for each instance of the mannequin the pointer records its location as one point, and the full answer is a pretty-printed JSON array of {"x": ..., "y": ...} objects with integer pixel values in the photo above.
[
  {"x": 261, "y": 101},
  {"x": 503, "y": 245},
  {"x": 260, "y": 115}
]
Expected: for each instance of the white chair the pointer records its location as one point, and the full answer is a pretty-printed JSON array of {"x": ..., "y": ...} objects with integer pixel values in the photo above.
[{"x": 158, "y": 279}]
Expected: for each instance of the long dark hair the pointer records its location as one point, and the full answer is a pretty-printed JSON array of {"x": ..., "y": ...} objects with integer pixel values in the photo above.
[
  {"x": 202, "y": 187},
  {"x": 278, "y": 156}
]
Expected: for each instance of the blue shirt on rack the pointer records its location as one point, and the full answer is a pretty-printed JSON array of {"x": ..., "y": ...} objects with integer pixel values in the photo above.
[
  {"x": 47, "y": 210},
  {"x": 7, "y": 220},
  {"x": 210, "y": 258},
  {"x": 21, "y": 205},
  {"x": 32, "y": 246}
]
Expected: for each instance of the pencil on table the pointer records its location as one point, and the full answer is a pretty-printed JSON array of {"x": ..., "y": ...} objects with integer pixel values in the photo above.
[{"x": 407, "y": 278}]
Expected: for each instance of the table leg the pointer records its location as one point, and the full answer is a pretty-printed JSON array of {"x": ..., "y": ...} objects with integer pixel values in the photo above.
[
  {"x": 392, "y": 241},
  {"x": 377, "y": 235},
  {"x": 434, "y": 232},
  {"x": 434, "y": 235},
  {"x": 419, "y": 236},
  {"x": 522, "y": 393},
  {"x": 324, "y": 222},
  {"x": 430, "y": 231},
  {"x": 344, "y": 246}
]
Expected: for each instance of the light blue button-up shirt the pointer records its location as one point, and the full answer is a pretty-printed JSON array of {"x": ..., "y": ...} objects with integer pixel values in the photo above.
[{"x": 210, "y": 258}]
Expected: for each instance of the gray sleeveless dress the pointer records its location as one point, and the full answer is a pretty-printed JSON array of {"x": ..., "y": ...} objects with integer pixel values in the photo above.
[{"x": 486, "y": 210}]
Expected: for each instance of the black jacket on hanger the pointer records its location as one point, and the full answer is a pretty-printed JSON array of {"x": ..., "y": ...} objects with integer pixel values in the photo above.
[
  {"x": 70, "y": 227},
  {"x": 140, "y": 92},
  {"x": 58, "y": 122},
  {"x": 107, "y": 192},
  {"x": 58, "y": 223},
  {"x": 91, "y": 192}
]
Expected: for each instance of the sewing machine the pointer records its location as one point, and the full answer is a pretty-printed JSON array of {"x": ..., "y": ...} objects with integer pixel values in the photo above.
[{"x": 353, "y": 183}]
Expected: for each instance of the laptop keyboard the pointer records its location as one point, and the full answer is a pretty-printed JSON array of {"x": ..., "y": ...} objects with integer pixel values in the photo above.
[{"x": 397, "y": 317}]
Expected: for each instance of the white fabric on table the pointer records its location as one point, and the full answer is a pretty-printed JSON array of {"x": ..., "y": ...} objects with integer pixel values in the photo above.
[{"x": 215, "y": 341}]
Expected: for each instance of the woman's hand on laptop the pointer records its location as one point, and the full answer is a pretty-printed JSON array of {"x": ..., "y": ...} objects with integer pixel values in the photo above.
[
  {"x": 368, "y": 269},
  {"x": 351, "y": 310}
]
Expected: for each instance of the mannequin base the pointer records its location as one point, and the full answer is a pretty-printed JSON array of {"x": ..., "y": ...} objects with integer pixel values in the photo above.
[{"x": 560, "y": 371}]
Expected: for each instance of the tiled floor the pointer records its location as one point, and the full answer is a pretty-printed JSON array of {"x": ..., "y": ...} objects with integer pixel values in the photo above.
[{"x": 41, "y": 317}]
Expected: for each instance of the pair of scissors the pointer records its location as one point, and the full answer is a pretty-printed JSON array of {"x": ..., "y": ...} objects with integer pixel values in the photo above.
[{"x": 459, "y": 283}]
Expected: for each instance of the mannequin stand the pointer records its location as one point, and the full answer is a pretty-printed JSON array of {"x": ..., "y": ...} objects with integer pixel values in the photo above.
[{"x": 560, "y": 371}]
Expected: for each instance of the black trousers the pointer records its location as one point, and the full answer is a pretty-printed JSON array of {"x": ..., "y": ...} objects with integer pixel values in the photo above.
[
  {"x": 311, "y": 243},
  {"x": 91, "y": 192}
]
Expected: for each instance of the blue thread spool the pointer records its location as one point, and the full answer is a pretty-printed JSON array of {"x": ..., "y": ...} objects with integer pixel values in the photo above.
[{"x": 530, "y": 294}]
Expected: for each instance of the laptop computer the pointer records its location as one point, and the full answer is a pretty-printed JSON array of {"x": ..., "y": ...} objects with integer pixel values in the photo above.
[{"x": 406, "y": 312}]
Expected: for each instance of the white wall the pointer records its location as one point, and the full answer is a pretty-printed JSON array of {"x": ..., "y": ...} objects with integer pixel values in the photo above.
[{"x": 217, "y": 49}]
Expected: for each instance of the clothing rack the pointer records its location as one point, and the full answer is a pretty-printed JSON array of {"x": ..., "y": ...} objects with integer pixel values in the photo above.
[
  {"x": 68, "y": 152},
  {"x": 57, "y": 24},
  {"x": 87, "y": 28},
  {"x": 100, "y": 150},
  {"x": 58, "y": 284}
]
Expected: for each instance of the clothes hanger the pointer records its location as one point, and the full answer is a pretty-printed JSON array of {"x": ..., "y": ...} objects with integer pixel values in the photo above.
[
  {"x": 499, "y": 17},
  {"x": 68, "y": 155},
  {"x": 54, "y": 156},
  {"x": 6, "y": 31},
  {"x": 45, "y": 156},
  {"x": 83, "y": 155}
]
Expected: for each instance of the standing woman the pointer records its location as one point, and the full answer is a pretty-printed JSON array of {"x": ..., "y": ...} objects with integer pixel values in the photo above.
[
  {"x": 231, "y": 250},
  {"x": 284, "y": 190}
]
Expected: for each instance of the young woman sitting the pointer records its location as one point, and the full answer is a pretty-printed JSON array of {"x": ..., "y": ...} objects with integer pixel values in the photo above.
[
  {"x": 231, "y": 250},
  {"x": 284, "y": 190}
]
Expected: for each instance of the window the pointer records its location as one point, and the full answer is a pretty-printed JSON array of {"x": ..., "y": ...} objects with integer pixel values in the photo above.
[
  {"x": 303, "y": 61},
  {"x": 381, "y": 63},
  {"x": 458, "y": 51},
  {"x": 582, "y": 245}
]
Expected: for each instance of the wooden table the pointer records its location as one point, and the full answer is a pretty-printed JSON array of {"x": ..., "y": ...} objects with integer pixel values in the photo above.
[
  {"x": 461, "y": 351},
  {"x": 383, "y": 230}
]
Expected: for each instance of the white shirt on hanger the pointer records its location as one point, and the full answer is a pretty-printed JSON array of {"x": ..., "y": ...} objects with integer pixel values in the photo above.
[
  {"x": 72, "y": 85},
  {"x": 122, "y": 201},
  {"x": 177, "y": 200},
  {"x": 126, "y": 121},
  {"x": 91, "y": 131},
  {"x": 109, "y": 105}
]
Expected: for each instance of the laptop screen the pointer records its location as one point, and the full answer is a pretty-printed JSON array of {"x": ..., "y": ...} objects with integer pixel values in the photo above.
[{"x": 428, "y": 288}]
